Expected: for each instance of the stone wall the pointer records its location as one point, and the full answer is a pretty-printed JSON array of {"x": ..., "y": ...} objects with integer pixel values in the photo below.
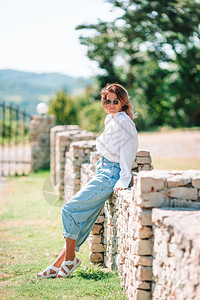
[
  {"x": 53, "y": 132},
  {"x": 78, "y": 154},
  {"x": 176, "y": 261},
  {"x": 40, "y": 141},
  {"x": 124, "y": 234},
  {"x": 128, "y": 224},
  {"x": 61, "y": 141}
]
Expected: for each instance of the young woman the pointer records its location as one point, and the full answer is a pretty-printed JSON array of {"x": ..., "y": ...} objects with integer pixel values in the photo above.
[{"x": 117, "y": 146}]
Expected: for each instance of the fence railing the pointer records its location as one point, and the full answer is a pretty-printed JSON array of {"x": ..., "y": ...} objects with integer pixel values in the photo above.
[{"x": 15, "y": 153}]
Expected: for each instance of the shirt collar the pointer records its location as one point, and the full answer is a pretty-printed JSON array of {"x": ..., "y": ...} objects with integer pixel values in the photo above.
[{"x": 117, "y": 114}]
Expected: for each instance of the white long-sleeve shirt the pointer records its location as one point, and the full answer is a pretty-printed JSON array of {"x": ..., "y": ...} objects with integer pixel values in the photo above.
[{"x": 119, "y": 143}]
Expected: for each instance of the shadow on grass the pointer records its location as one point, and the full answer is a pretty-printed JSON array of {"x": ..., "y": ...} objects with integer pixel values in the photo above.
[{"x": 91, "y": 273}]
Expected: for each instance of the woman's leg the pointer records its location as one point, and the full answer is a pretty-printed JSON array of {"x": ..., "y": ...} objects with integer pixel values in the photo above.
[
  {"x": 84, "y": 207},
  {"x": 80, "y": 214},
  {"x": 69, "y": 253},
  {"x": 58, "y": 262}
]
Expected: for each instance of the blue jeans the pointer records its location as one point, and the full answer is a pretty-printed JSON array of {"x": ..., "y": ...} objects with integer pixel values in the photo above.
[{"x": 80, "y": 214}]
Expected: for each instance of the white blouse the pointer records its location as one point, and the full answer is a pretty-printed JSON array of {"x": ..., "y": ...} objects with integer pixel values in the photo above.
[{"x": 119, "y": 143}]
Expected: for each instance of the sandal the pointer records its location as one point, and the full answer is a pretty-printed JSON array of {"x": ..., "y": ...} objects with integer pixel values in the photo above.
[
  {"x": 47, "y": 270},
  {"x": 68, "y": 271}
]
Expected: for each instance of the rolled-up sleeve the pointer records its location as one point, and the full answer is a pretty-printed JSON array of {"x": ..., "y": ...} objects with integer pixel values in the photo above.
[{"x": 128, "y": 151}]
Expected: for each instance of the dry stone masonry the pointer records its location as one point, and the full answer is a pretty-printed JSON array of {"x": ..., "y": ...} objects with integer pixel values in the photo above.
[
  {"x": 40, "y": 141},
  {"x": 129, "y": 229},
  {"x": 78, "y": 154},
  {"x": 53, "y": 132},
  {"x": 62, "y": 141},
  {"x": 141, "y": 231},
  {"x": 176, "y": 257}
]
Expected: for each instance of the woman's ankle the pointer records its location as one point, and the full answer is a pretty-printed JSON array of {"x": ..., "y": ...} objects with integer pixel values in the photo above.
[{"x": 70, "y": 257}]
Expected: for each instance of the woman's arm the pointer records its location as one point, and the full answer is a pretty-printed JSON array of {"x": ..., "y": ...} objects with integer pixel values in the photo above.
[{"x": 128, "y": 151}]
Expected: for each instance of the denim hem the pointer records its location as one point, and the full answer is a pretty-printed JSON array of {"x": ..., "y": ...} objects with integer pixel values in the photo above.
[{"x": 71, "y": 236}]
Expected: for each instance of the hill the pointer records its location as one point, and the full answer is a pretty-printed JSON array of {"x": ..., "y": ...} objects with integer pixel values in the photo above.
[{"x": 27, "y": 89}]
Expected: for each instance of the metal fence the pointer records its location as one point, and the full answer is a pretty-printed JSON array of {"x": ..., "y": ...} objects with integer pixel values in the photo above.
[{"x": 15, "y": 151}]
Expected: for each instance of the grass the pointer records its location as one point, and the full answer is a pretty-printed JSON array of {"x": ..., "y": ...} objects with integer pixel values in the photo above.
[{"x": 31, "y": 239}]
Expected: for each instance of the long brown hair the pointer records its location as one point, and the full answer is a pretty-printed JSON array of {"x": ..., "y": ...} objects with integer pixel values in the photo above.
[{"x": 122, "y": 96}]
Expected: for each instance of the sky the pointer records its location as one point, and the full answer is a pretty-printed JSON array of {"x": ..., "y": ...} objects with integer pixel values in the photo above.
[{"x": 39, "y": 35}]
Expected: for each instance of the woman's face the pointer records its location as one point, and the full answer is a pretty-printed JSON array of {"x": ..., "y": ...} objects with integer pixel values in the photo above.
[{"x": 113, "y": 108}]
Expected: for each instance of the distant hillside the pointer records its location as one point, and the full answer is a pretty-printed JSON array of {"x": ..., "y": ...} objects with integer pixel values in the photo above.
[{"x": 28, "y": 89}]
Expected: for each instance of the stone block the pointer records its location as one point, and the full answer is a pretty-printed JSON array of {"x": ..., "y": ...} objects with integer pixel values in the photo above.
[
  {"x": 183, "y": 193},
  {"x": 95, "y": 239},
  {"x": 196, "y": 182},
  {"x": 102, "y": 212},
  {"x": 143, "y": 153},
  {"x": 144, "y": 167},
  {"x": 144, "y": 216},
  {"x": 100, "y": 219},
  {"x": 142, "y": 295},
  {"x": 144, "y": 273},
  {"x": 143, "y": 285},
  {"x": 143, "y": 247},
  {"x": 96, "y": 229},
  {"x": 97, "y": 248},
  {"x": 142, "y": 260},
  {"x": 153, "y": 199},
  {"x": 178, "y": 180},
  {"x": 151, "y": 183},
  {"x": 134, "y": 165},
  {"x": 143, "y": 160},
  {"x": 96, "y": 257},
  {"x": 143, "y": 232},
  {"x": 175, "y": 203}
]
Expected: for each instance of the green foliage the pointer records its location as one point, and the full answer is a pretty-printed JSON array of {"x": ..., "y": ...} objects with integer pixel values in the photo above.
[
  {"x": 83, "y": 110},
  {"x": 62, "y": 106},
  {"x": 92, "y": 116},
  {"x": 93, "y": 273},
  {"x": 153, "y": 49}
]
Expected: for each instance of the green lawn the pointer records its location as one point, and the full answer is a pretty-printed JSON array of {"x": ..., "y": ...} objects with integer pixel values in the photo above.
[{"x": 30, "y": 240}]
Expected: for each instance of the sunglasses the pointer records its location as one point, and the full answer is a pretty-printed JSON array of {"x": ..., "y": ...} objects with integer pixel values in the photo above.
[{"x": 115, "y": 102}]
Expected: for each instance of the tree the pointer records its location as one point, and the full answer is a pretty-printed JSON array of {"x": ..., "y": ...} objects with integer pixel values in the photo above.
[
  {"x": 62, "y": 106},
  {"x": 154, "y": 47}
]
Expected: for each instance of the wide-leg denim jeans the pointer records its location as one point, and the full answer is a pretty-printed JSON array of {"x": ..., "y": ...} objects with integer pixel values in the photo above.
[{"x": 81, "y": 212}]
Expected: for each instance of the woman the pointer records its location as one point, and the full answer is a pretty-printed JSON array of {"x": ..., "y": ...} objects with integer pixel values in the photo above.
[{"x": 117, "y": 146}]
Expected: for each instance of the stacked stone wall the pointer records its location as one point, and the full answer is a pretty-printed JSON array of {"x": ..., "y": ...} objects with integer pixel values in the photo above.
[
  {"x": 40, "y": 141},
  {"x": 176, "y": 259},
  {"x": 128, "y": 222},
  {"x": 125, "y": 237},
  {"x": 78, "y": 154},
  {"x": 53, "y": 132},
  {"x": 62, "y": 143}
]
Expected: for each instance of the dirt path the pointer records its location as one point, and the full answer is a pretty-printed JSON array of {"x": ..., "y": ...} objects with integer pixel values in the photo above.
[{"x": 171, "y": 144}]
